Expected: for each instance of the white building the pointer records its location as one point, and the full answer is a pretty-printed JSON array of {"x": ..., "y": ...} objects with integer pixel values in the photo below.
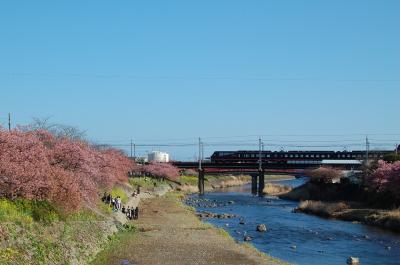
[{"x": 158, "y": 157}]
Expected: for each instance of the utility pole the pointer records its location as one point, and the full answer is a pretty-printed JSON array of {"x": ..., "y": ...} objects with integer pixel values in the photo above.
[
  {"x": 9, "y": 122},
  {"x": 202, "y": 151},
  {"x": 200, "y": 157},
  {"x": 131, "y": 148},
  {"x": 366, "y": 150},
  {"x": 259, "y": 154},
  {"x": 134, "y": 151},
  {"x": 201, "y": 170},
  {"x": 261, "y": 178}
]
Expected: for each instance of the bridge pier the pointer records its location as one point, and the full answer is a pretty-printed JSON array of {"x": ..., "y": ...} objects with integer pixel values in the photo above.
[
  {"x": 254, "y": 184},
  {"x": 201, "y": 181},
  {"x": 261, "y": 182}
]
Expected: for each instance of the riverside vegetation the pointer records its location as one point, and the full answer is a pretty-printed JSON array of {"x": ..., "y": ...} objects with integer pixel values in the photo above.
[
  {"x": 51, "y": 183},
  {"x": 373, "y": 199}
]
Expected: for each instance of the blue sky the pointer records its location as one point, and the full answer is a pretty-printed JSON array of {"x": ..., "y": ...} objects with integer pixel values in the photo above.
[{"x": 175, "y": 70}]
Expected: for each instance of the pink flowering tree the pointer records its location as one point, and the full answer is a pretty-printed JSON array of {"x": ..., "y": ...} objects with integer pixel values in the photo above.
[
  {"x": 386, "y": 178},
  {"x": 161, "y": 170},
  {"x": 38, "y": 165}
]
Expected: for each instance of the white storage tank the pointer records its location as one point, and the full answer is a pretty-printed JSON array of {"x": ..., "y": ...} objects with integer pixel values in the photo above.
[{"x": 158, "y": 157}]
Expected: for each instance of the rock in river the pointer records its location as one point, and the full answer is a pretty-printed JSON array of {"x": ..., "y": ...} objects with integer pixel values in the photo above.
[
  {"x": 247, "y": 238},
  {"x": 262, "y": 228},
  {"x": 353, "y": 261}
]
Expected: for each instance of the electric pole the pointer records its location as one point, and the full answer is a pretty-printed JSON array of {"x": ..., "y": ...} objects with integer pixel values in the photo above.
[
  {"x": 134, "y": 151},
  {"x": 9, "y": 122},
  {"x": 131, "y": 148},
  {"x": 202, "y": 151},
  {"x": 367, "y": 150},
  {"x": 200, "y": 157},
  {"x": 259, "y": 154}
]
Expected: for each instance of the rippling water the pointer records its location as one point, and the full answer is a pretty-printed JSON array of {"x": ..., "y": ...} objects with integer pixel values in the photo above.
[{"x": 317, "y": 240}]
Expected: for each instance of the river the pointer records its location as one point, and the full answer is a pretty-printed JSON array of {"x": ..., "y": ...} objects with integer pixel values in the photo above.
[{"x": 296, "y": 237}]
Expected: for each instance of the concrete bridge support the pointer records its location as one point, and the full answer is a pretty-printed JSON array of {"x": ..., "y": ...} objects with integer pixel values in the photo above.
[
  {"x": 201, "y": 182},
  {"x": 261, "y": 182},
  {"x": 254, "y": 184}
]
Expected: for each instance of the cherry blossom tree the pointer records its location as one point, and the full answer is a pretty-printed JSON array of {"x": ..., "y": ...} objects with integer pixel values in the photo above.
[
  {"x": 68, "y": 171},
  {"x": 161, "y": 170},
  {"x": 386, "y": 178}
]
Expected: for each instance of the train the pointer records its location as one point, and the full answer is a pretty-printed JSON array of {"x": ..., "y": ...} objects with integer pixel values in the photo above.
[{"x": 298, "y": 157}]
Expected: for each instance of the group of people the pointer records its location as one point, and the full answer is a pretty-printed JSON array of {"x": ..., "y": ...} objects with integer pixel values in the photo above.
[
  {"x": 116, "y": 204},
  {"x": 131, "y": 213}
]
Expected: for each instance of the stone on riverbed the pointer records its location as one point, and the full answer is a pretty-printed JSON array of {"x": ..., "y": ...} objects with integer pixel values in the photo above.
[
  {"x": 247, "y": 238},
  {"x": 214, "y": 215},
  {"x": 262, "y": 228},
  {"x": 353, "y": 261}
]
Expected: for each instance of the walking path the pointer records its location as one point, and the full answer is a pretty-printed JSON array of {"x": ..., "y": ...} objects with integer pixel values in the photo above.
[
  {"x": 134, "y": 201},
  {"x": 170, "y": 234}
]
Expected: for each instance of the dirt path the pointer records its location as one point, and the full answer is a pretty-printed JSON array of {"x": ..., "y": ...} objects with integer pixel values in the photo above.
[{"x": 171, "y": 235}]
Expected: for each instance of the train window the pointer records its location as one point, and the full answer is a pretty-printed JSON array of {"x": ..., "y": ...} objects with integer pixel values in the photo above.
[
  {"x": 323, "y": 156},
  {"x": 348, "y": 156},
  {"x": 296, "y": 155},
  {"x": 268, "y": 155},
  {"x": 312, "y": 155},
  {"x": 307, "y": 156},
  {"x": 291, "y": 156},
  {"x": 286, "y": 155},
  {"x": 329, "y": 156},
  {"x": 317, "y": 156},
  {"x": 301, "y": 155}
]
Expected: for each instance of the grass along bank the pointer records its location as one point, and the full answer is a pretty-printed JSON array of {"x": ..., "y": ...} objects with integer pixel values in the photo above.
[
  {"x": 168, "y": 232},
  {"x": 387, "y": 219},
  {"x": 36, "y": 233}
]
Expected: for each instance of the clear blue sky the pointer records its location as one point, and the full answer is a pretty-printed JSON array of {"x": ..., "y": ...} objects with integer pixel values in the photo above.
[{"x": 154, "y": 70}]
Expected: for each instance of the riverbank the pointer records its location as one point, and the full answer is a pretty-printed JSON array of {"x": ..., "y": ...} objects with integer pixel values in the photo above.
[
  {"x": 168, "y": 232},
  {"x": 188, "y": 184},
  {"x": 338, "y": 201},
  {"x": 386, "y": 219}
]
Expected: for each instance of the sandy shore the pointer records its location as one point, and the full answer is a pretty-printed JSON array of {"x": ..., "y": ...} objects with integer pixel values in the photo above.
[{"x": 170, "y": 233}]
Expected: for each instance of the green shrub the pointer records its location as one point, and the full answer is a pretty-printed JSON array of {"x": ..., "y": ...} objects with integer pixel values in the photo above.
[
  {"x": 146, "y": 182},
  {"x": 117, "y": 191},
  {"x": 189, "y": 180},
  {"x": 26, "y": 211}
]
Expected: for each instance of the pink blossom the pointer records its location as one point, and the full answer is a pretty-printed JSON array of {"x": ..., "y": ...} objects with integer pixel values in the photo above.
[{"x": 38, "y": 165}]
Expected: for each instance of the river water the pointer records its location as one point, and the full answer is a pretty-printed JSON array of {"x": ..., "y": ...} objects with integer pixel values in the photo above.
[{"x": 296, "y": 237}]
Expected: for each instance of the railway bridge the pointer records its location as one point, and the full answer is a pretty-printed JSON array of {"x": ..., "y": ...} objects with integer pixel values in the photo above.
[{"x": 257, "y": 171}]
